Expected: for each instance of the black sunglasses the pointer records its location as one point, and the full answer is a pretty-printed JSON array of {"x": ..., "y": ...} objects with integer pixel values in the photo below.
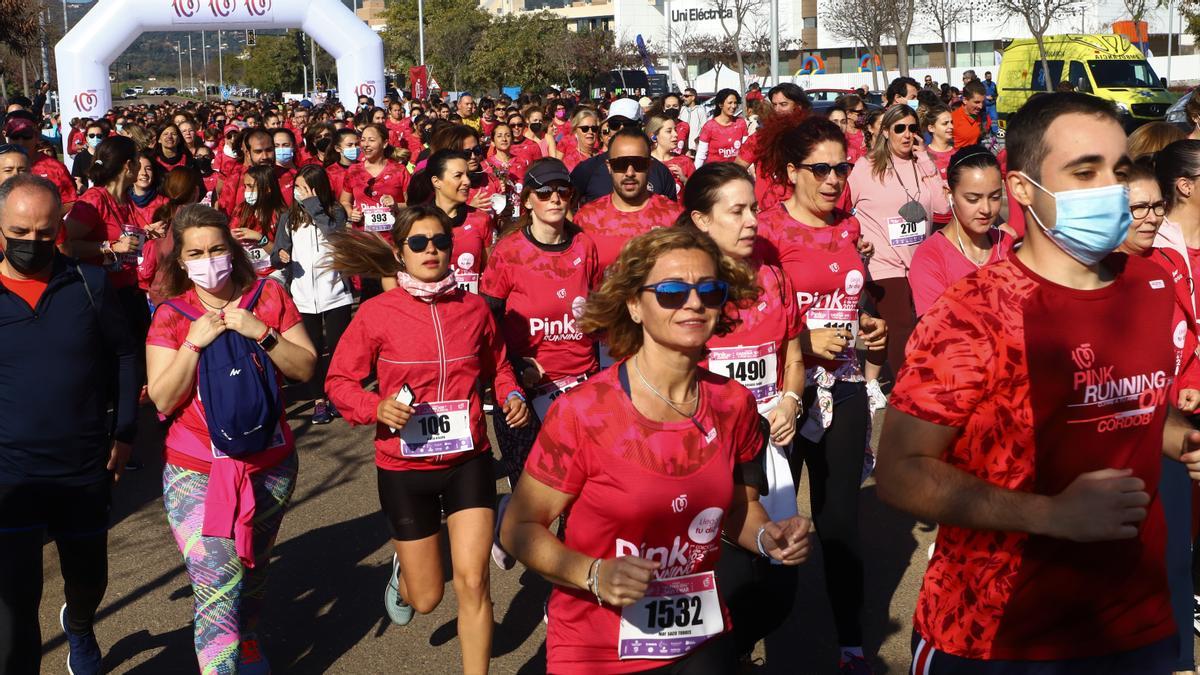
[
  {"x": 618, "y": 124},
  {"x": 901, "y": 128},
  {"x": 674, "y": 294},
  {"x": 478, "y": 151},
  {"x": 820, "y": 170},
  {"x": 623, "y": 164},
  {"x": 95, "y": 135},
  {"x": 6, "y": 148},
  {"x": 22, "y": 137},
  {"x": 543, "y": 193},
  {"x": 588, "y": 128},
  {"x": 419, "y": 242},
  {"x": 369, "y": 190},
  {"x": 517, "y": 125}
]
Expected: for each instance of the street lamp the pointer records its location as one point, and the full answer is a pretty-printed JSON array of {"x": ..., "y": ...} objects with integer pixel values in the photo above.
[{"x": 179, "y": 49}]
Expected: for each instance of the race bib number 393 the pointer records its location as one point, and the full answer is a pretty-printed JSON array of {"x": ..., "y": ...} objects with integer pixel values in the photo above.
[
  {"x": 675, "y": 616},
  {"x": 378, "y": 219},
  {"x": 441, "y": 428}
]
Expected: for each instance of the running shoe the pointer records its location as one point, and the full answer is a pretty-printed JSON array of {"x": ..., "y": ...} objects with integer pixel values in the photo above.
[
  {"x": 1196, "y": 614},
  {"x": 321, "y": 414},
  {"x": 84, "y": 657},
  {"x": 499, "y": 556},
  {"x": 399, "y": 611},
  {"x": 332, "y": 408},
  {"x": 251, "y": 660},
  {"x": 854, "y": 665}
]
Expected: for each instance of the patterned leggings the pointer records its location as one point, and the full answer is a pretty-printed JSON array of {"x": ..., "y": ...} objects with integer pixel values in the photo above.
[{"x": 228, "y": 597}]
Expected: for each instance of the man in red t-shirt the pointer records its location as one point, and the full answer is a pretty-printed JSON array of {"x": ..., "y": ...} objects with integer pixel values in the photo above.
[
  {"x": 21, "y": 131},
  {"x": 260, "y": 150},
  {"x": 631, "y": 209},
  {"x": 1030, "y": 420}
]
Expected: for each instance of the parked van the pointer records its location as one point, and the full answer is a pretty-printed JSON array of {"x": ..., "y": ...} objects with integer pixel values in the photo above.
[{"x": 1107, "y": 66}]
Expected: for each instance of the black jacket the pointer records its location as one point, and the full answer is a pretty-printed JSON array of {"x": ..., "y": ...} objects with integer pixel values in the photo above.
[{"x": 63, "y": 365}]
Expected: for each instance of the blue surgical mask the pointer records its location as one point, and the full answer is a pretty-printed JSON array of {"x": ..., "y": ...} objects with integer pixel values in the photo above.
[
  {"x": 93, "y": 142},
  {"x": 1091, "y": 222},
  {"x": 251, "y": 197},
  {"x": 912, "y": 103},
  {"x": 120, "y": 128},
  {"x": 284, "y": 155},
  {"x": 351, "y": 154}
]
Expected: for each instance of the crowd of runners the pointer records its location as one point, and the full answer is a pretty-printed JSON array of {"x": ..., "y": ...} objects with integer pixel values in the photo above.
[{"x": 667, "y": 313}]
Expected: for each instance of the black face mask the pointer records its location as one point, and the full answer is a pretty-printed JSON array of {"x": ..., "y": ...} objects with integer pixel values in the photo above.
[
  {"x": 323, "y": 144},
  {"x": 672, "y": 113},
  {"x": 204, "y": 164},
  {"x": 536, "y": 127},
  {"x": 28, "y": 256}
]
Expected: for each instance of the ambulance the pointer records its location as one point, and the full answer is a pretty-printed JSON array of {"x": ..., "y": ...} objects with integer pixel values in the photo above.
[{"x": 1107, "y": 66}]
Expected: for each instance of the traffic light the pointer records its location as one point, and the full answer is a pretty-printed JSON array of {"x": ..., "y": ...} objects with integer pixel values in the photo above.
[{"x": 251, "y": 38}]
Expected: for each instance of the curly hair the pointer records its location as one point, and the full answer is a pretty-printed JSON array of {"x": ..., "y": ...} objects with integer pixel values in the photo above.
[
  {"x": 790, "y": 139},
  {"x": 606, "y": 312}
]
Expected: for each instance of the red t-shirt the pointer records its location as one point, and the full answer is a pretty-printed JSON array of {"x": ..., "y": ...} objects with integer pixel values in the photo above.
[
  {"x": 686, "y": 165},
  {"x": 393, "y": 180},
  {"x": 233, "y": 192},
  {"x": 543, "y": 291},
  {"x": 170, "y": 328},
  {"x": 1044, "y": 386},
  {"x": 610, "y": 228},
  {"x": 396, "y": 130},
  {"x": 337, "y": 177},
  {"x": 938, "y": 263},
  {"x": 56, "y": 172},
  {"x": 824, "y": 267},
  {"x": 108, "y": 219},
  {"x": 769, "y": 190},
  {"x": 526, "y": 149},
  {"x": 514, "y": 170},
  {"x": 683, "y": 130},
  {"x": 746, "y": 354},
  {"x": 29, "y": 290},
  {"x": 658, "y": 490},
  {"x": 472, "y": 238},
  {"x": 941, "y": 159},
  {"x": 724, "y": 142}
]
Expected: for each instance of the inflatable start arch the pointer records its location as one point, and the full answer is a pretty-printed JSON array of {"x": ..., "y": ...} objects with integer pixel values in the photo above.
[{"x": 85, "y": 54}]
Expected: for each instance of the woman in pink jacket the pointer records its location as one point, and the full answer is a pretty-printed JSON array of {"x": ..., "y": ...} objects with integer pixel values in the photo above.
[{"x": 431, "y": 343}]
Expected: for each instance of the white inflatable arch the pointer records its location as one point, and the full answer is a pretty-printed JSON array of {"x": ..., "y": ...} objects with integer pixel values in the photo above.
[{"x": 86, "y": 52}]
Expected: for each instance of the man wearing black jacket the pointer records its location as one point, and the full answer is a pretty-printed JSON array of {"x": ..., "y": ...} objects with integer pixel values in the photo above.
[{"x": 68, "y": 397}]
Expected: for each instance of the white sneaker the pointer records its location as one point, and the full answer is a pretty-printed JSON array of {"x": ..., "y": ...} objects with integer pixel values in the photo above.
[
  {"x": 499, "y": 556},
  {"x": 1196, "y": 614}
]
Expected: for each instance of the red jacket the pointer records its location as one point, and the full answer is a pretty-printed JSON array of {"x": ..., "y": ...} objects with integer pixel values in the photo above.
[{"x": 441, "y": 349}]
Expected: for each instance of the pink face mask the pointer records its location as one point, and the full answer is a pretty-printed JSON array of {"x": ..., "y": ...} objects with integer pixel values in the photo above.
[
  {"x": 210, "y": 273},
  {"x": 560, "y": 114}
]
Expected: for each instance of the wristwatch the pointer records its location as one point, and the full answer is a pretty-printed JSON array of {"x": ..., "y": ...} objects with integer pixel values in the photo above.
[
  {"x": 269, "y": 340},
  {"x": 799, "y": 403}
]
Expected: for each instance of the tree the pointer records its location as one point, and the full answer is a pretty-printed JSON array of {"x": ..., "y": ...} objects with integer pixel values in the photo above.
[
  {"x": 862, "y": 21},
  {"x": 272, "y": 64},
  {"x": 19, "y": 24},
  {"x": 453, "y": 28},
  {"x": 514, "y": 50},
  {"x": 714, "y": 50},
  {"x": 1038, "y": 15},
  {"x": 734, "y": 17},
  {"x": 902, "y": 12},
  {"x": 944, "y": 15}
]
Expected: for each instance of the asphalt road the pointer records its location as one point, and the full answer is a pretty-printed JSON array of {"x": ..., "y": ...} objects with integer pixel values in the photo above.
[{"x": 324, "y": 608}]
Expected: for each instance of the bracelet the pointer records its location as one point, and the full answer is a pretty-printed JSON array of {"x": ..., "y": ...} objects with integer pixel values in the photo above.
[
  {"x": 264, "y": 335},
  {"x": 187, "y": 344},
  {"x": 758, "y": 540},
  {"x": 593, "y": 581},
  {"x": 264, "y": 241}
]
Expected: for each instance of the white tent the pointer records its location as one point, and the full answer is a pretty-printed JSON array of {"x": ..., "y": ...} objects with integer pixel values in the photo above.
[{"x": 712, "y": 81}]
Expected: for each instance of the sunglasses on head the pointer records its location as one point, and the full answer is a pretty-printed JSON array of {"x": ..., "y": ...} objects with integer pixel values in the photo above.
[
  {"x": 419, "y": 242},
  {"x": 563, "y": 191},
  {"x": 902, "y": 127},
  {"x": 623, "y": 164},
  {"x": 6, "y": 148},
  {"x": 674, "y": 294},
  {"x": 820, "y": 170},
  {"x": 588, "y": 128},
  {"x": 22, "y": 137}
]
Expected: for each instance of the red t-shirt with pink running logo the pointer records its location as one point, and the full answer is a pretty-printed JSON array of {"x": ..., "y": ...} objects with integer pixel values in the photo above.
[
  {"x": 657, "y": 490},
  {"x": 724, "y": 142},
  {"x": 368, "y": 190},
  {"x": 611, "y": 228},
  {"x": 823, "y": 266},
  {"x": 544, "y": 291},
  {"x": 1046, "y": 383},
  {"x": 752, "y": 353}
]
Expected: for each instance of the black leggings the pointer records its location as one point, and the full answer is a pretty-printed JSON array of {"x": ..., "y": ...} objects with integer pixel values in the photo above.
[
  {"x": 835, "y": 465},
  {"x": 715, "y": 657},
  {"x": 77, "y": 518},
  {"x": 325, "y": 330},
  {"x": 759, "y": 595}
]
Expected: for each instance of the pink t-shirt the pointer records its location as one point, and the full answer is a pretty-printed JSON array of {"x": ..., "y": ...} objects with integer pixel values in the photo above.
[
  {"x": 610, "y": 228},
  {"x": 938, "y": 263},
  {"x": 723, "y": 141},
  {"x": 877, "y": 204}
]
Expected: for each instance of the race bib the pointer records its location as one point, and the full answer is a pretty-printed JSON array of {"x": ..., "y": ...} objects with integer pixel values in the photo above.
[
  {"x": 675, "y": 616},
  {"x": 259, "y": 258},
  {"x": 467, "y": 281},
  {"x": 134, "y": 257},
  {"x": 441, "y": 428},
  {"x": 903, "y": 233},
  {"x": 277, "y": 441},
  {"x": 844, "y": 319},
  {"x": 378, "y": 218},
  {"x": 545, "y": 394},
  {"x": 754, "y": 367}
]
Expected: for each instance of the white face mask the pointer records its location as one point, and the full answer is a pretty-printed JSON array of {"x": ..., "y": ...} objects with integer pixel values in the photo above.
[
  {"x": 230, "y": 152},
  {"x": 251, "y": 197}
]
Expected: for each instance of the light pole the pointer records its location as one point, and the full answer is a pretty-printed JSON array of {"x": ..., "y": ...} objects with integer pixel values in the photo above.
[
  {"x": 191, "y": 66},
  {"x": 204, "y": 56},
  {"x": 421, "y": 28},
  {"x": 66, "y": 27},
  {"x": 775, "y": 42},
  {"x": 221, "y": 64},
  {"x": 179, "y": 50}
]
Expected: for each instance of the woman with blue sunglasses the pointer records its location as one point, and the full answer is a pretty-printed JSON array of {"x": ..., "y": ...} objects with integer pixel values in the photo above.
[{"x": 650, "y": 460}]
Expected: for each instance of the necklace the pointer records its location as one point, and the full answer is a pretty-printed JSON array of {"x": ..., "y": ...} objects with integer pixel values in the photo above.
[
  {"x": 666, "y": 400},
  {"x": 214, "y": 307},
  {"x": 916, "y": 178},
  {"x": 958, "y": 235}
]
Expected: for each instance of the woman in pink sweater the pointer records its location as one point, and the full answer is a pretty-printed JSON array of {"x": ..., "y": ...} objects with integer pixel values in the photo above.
[{"x": 897, "y": 192}]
